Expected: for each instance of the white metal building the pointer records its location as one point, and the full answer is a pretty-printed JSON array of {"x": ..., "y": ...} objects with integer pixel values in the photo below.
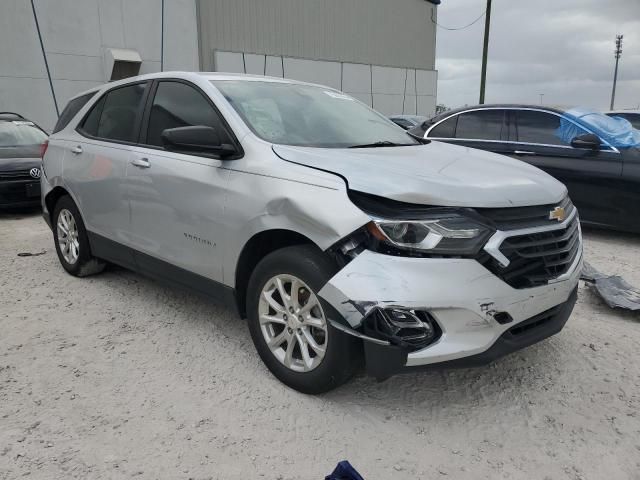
[{"x": 380, "y": 51}]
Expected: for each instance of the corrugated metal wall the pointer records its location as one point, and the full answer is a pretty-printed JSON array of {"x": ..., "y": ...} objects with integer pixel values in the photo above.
[{"x": 396, "y": 33}]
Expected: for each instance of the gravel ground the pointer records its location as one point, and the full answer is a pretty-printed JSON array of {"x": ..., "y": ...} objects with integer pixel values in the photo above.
[{"x": 115, "y": 376}]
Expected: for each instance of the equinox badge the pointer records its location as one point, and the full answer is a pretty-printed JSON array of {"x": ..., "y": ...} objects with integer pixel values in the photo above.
[{"x": 557, "y": 214}]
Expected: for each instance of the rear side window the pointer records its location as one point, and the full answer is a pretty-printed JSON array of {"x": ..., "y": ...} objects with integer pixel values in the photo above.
[
  {"x": 481, "y": 125},
  {"x": 538, "y": 127},
  {"x": 176, "y": 105},
  {"x": 446, "y": 129},
  {"x": 70, "y": 111},
  {"x": 115, "y": 116}
]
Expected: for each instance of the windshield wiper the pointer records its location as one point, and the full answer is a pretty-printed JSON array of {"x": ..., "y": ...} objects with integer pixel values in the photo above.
[{"x": 383, "y": 143}]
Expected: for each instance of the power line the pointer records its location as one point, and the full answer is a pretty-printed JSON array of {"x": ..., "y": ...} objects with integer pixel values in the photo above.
[{"x": 457, "y": 28}]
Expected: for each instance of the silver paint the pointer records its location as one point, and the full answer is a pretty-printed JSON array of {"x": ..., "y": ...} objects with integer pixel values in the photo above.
[{"x": 159, "y": 209}]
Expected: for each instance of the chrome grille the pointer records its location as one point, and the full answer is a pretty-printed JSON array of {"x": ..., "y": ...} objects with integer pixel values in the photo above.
[
  {"x": 515, "y": 218},
  {"x": 16, "y": 175},
  {"x": 536, "y": 258}
]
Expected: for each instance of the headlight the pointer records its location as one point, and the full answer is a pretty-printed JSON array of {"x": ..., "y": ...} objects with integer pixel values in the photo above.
[{"x": 442, "y": 233}]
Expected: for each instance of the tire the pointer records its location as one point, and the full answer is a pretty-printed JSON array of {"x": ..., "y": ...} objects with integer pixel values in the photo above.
[
  {"x": 77, "y": 259},
  {"x": 318, "y": 372}
]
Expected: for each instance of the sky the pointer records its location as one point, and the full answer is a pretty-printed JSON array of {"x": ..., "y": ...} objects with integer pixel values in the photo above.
[{"x": 560, "y": 48}]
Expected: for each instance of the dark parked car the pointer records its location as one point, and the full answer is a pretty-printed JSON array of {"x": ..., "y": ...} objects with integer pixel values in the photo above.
[
  {"x": 407, "y": 121},
  {"x": 632, "y": 116},
  {"x": 595, "y": 156},
  {"x": 21, "y": 142}
]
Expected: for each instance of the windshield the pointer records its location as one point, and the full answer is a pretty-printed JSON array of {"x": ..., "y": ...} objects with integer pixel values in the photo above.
[
  {"x": 20, "y": 133},
  {"x": 306, "y": 115},
  {"x": 616, "y": 131}
]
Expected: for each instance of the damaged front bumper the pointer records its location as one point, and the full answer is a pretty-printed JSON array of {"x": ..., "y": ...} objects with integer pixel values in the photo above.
[{"x": 478, "y": 316}]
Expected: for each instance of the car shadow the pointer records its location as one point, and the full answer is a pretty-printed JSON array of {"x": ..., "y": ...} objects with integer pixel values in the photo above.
[
  {"x": 523, "y": 370},
  {"x": 610, "y": 236},
  {"x": 19, "y": 213},
  {"x": 505, "y": 382}
]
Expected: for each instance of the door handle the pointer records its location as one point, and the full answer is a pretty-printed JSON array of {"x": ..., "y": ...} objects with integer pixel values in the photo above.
[
  {"x": 76, "y": 150},
  {"x": 524, "y": 152},
  {"x": 141, "y": 162}
]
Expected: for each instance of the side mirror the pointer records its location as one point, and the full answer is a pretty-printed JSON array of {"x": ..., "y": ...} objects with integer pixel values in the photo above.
[
  {"x": 198, "y": 138},
  {"x": 587, "y": 140}
]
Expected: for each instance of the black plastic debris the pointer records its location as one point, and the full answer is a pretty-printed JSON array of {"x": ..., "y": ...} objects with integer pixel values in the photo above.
[
  {"x": 614, "y": 290},
  {"x": 29, "y": 254},
  {"x": 344, "y": 471}
]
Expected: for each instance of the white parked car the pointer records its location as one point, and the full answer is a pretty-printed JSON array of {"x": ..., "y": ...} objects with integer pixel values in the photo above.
[{"x": 336, "y": 234}]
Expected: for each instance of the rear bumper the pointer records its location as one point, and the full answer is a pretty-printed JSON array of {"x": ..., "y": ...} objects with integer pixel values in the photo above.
[{"x": 19, "y": 193}]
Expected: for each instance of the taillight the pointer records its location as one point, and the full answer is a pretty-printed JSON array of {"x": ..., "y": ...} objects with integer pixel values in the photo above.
[{"x": 43, "y": 148}]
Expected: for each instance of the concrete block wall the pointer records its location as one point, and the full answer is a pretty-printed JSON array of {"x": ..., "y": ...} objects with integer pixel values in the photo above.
[
  {"x": 390, "y": 90},
  {"x": 75, "y": 34}
]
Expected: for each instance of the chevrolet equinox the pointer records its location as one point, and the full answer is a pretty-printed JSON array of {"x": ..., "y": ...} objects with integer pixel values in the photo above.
[{"x": 342, "y": 239}]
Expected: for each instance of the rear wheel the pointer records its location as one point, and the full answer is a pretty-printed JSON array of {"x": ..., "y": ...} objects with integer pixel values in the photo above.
[
  {"x": 289, "y": 322},
  {"x": 71, "y": 241}
]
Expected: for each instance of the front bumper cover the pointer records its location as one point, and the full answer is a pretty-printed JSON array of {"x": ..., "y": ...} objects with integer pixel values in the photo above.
[
  {"x": 460, "y": 294},
  {"x": 19, "y": 193},
  {"x": 383, "y": 361}
]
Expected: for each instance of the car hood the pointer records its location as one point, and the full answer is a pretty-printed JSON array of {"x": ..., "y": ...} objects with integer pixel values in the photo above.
[
  {"x": 434, "y": 174},
  {"x": 19, "y": 158},
  {"x": 8, "y": 165}
]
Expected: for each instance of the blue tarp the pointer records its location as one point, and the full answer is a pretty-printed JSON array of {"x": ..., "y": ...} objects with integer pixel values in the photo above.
[
  {"x": 344, "y": 471},
  {"x": 616, "y": 131}
]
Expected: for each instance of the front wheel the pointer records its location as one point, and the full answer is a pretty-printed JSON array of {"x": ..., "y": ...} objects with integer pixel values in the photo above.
[{"x": 289, "y": 324}]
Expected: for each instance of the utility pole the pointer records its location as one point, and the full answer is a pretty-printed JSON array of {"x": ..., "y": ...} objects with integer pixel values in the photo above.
[
  {"x": 483, "y": 77},
  {"x": 541, "y": 95},
  {"x": 617, "y": 53}
]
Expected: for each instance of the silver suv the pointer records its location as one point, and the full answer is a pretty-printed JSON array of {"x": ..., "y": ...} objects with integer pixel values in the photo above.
[{"x": 341, "y": 238}]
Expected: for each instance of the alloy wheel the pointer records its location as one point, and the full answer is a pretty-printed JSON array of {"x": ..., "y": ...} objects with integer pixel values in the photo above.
[
  {"x": 68, "y": 241},
  {"x": 293, "y": 323}
]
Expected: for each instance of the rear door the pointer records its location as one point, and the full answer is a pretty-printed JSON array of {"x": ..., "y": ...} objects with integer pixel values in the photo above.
[
  {"x": 96, "y": 161},
  {"x": 486, "y": 129},
  {"x": 593, "y": 177},
  {"x": 177, "y": 199}
]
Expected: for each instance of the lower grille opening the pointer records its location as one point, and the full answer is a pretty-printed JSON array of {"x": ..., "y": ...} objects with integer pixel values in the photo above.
[{"x": 534, "y": 322}]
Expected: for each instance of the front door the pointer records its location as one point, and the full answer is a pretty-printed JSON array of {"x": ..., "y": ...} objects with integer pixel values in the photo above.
[
  {"x": 177, "y": 199},
  {"x": 593, "y": 177}
]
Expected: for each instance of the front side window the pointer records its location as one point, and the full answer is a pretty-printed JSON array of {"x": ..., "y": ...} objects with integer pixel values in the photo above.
[
  {"x": 307, "y": 115},
  {"x": 539, "y": 127},
  {"x": 176, "y": 105},
  {"x": 115, "y": 115},
  {"x": 481, "y": 125}
]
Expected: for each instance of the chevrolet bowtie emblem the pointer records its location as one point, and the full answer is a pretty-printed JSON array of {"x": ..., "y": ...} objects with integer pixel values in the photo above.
[{"x": 557, "y": 214}]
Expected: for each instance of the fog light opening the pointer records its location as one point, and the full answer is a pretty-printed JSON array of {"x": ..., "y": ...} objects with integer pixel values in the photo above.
[
  {"x": 411, "y": 329},
  {"x": 502, "y": 318}
]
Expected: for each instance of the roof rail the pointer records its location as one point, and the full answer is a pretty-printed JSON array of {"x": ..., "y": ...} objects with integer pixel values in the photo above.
[{"x": 12, "y": 113}]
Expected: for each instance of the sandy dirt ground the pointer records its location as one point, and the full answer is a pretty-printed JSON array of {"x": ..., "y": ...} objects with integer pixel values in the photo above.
[{"x": 115, "y": 376}]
